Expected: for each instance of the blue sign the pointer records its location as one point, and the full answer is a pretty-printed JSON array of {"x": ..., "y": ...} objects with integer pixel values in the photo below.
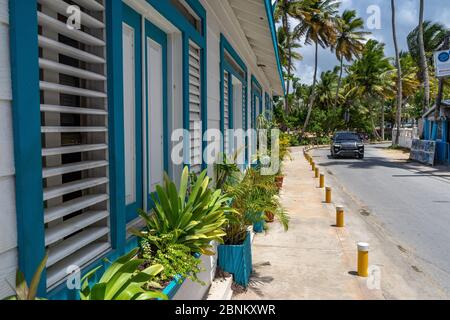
[{"x": 444, "y": 57}]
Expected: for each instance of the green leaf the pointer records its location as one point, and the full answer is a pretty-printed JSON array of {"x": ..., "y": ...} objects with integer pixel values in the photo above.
[
  {"x": 98, "y": 292},
  {"x": 184, "y": 184},
  {"x": 111, "y": 271},
  {"x": 121, "y": 277},
  {"x": 151, "y": 295},
  {"x": 21, "y": 286},
  {"x": 36, "y": 279}
]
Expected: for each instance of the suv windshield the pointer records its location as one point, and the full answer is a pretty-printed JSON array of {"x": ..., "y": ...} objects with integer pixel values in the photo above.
[{"x": 347, "y": 136}]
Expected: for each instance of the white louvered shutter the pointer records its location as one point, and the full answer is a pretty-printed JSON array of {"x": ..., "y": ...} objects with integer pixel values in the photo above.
[
  {"x": 74, "y": 132},
  {"x": 195, "y": 109},
  {"x": 226, "y": 111}
]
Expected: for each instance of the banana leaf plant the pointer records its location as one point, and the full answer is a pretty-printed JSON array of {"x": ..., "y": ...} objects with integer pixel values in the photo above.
[
  {"x": 196, "y": 217},
  {"x": 23, "y": 292},
  {"x": 123, "y": 280}
]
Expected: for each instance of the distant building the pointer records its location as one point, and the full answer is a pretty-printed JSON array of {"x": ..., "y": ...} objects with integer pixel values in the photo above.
[{"x": 439, "y": 131}]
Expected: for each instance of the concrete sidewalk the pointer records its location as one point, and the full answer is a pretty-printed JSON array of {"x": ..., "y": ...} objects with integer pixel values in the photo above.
[{"x": 315, "y": 260}]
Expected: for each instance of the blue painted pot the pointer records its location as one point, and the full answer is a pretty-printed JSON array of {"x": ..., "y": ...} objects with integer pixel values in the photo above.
[
  {"x": 237, "y": 260},
  {"x": 258, "y": 227}
]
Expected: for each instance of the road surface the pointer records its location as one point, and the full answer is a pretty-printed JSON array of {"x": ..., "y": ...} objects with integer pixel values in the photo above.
[{"x": 411, "y": 201}]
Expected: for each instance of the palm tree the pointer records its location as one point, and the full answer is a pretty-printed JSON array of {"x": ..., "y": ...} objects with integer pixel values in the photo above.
[
  {"x": 287, "y": 45},
  {"x": 399, "y": 74},
  {"x": 370, "y": 78},
  {"x": 349, "y": 42},
  {"x": 423, "y": 60},
  {"x": 433, "y": 37},
  {"x": 285, "y": 10},
  {"x": 318, "y": 26}
]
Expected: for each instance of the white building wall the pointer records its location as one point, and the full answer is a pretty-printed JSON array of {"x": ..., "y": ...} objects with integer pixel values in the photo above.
[{"x": 8, "y": 233}]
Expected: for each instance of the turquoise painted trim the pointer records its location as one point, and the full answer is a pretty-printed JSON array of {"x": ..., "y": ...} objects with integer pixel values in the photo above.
[
  {"x": 133, "y": 19},
  {"x": 178, "y": 20},
  {"x": 159, "y": 36},
  {"x": 26, "y": 118},
  {"x": 434, "y": 131},
  {"x": 166, "y": 9},
  {"x": 273, "y": 32},
  {"x": 225, "y": 46},
  {"x": 115, "y": 124},
  {"x": 63, "y": 293},
  {"x": 256, "y": 92}
]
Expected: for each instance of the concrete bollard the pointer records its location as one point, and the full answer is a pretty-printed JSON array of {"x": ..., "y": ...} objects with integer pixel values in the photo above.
[
  {"x": 363, "y": 259},
  {"x": 316, "y": 173},
  {"x": 322, "y": 181},
  {"x": 328, "y": 195},
  {"x": 340, "y": 216}
]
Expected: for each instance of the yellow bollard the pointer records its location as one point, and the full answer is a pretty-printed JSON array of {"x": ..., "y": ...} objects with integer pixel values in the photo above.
[
  {"x": 363, "y": 259},
  {"x": 313, "y": 166},
  {"x": 340, "y": 216},
  {"x": 316, "y": 173},
  {"x": 328, "y": 195},
  {"x": 322, "y": 181}
]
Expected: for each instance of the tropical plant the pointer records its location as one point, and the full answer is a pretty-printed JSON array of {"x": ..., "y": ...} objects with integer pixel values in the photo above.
[
  {"x": 195, "y": 219},
  {"x": 176, "y": 259},
  {"x": 252, "y": 197},
  {"x": 288, "y": 40},
  {"x": 123, "y": 280},
  {"x": 349, "y": 41},
  {"x": 318, "y": 26},
  {"x": 226, "y": 170},
  {"x": 23, "y": 292},
  {"x": 370, "y": 79},
  {"x": 423, "y": 41}
]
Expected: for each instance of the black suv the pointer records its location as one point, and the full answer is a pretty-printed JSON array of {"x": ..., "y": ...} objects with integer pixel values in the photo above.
[{"x": 347, "y": 144}]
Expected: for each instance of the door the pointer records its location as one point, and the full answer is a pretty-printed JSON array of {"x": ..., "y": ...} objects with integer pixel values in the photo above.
[
  {"x": 132, "y": 109},
  {"x": 157, "y": 135}
]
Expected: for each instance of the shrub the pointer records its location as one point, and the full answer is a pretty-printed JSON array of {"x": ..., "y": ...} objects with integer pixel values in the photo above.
[{"x": 194, "y": 219}]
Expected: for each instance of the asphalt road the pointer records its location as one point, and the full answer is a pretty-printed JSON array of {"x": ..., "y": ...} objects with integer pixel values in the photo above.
[{"x": 411, "y": 201}]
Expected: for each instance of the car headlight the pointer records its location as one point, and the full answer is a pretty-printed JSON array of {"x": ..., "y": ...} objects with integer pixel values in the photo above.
[{"x": 337, "y": 146}]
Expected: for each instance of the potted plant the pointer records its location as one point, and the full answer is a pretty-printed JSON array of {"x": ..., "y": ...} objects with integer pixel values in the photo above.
[
  {"x": 252, "y": 197},
  {"x": 123, "y": 280},
  {"x": 181, "y": 227}
]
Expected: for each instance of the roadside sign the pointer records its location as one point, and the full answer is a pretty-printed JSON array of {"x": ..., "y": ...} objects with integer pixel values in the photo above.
[{"x": 442, "y": 63}]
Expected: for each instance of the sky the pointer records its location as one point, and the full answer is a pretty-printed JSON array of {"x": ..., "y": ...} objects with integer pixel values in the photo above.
[{"x": 407, "y": 20}]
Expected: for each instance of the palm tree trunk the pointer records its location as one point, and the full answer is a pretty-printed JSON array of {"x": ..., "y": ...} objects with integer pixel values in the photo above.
[
  {"x": 312, "y": 97},
  {"x": 383, "y": 136},
  {"x": 399, "y": 76},
  {"x": 423, "y": 61},
  {"x": 339, "y": 82},
  {"x": 289, "y": 66}
]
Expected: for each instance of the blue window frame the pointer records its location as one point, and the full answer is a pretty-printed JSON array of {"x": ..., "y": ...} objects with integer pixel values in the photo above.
[
  {"x": 232, "y": 70},
  {"x": 256, "y": 93},
  {"x": 189, "y": 33},
  {"x": 133, "y": 20},
  {"x": 159, "y": 36}
]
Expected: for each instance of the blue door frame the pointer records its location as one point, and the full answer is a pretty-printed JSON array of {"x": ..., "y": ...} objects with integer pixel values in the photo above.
[
  {"x": 159, "y": 36},
  {"x": 225, "y": 46},
  {"x": 256, "y": 92},
  {"x": 133, "y": 19}
]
